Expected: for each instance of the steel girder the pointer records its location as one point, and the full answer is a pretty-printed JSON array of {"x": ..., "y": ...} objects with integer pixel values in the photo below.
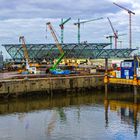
[
  {"x": 115, "y": 53},
  {"x": 39, "y": 52}
]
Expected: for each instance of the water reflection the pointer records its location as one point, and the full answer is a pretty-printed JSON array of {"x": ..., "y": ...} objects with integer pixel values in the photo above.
[
  {"x": 71, "y": 116},
  {"x": 128, "y": 113}
]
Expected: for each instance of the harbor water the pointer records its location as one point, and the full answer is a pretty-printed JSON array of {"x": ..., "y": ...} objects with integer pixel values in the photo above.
[{"x": 76, "y": 116}]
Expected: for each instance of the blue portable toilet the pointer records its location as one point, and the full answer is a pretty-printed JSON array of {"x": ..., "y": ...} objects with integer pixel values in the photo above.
[{"x": 127, "y": 69}]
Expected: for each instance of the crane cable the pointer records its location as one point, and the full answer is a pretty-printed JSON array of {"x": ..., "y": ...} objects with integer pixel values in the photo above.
[{"x": 58, "y": 36}]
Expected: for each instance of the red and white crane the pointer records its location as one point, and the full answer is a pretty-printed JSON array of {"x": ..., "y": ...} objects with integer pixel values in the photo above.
[
  {"x": 111, "y": 37},
  {"x": 130, "y": 32},
  {"x": 114, "y": 32}
]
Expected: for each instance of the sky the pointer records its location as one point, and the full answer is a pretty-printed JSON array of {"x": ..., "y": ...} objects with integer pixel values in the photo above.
[{"x": 29, "y": 18}]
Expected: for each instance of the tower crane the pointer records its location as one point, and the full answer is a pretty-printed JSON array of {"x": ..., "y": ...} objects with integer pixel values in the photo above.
[
  {"x": 111, "y": 37},
  {"x": 62, "y": 28},
  {"x": 82, "y": 22},
  {"x": 114, "y": 32},
  {"x": 130, "y": 13},
  {"x": 120, "y": 41}
]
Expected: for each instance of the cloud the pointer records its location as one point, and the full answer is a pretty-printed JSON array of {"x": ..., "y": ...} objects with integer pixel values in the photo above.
[{"x": 28, "y": 18}]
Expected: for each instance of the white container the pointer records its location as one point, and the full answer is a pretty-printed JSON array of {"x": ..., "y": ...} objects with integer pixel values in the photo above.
[
  {"x": 138, "y": 72},
  {"x": 92, "y": 70},
  {"x": 118, "y": 74}
]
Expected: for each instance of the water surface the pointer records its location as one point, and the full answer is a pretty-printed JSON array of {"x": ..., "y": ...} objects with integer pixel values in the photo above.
[{"x": 83, "y": 116}]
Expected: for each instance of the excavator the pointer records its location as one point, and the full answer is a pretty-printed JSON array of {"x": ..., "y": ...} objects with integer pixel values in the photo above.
[{"x": 53, "y": 69}]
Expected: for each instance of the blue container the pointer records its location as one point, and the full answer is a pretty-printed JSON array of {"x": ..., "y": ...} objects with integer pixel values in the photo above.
[
  {"x": 127, "y": 69},
  {"x": 59, "y": 71}
]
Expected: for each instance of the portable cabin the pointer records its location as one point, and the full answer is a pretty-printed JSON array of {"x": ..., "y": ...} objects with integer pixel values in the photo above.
[{"x": 127, "y": 69}]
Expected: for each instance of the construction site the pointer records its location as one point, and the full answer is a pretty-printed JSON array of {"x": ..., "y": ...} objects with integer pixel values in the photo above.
[
  {"x": 37, "y": 62},
  {"x": 81, "y": 81}
]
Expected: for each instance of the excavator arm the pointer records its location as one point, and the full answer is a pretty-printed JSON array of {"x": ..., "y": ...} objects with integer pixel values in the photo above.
[{"x": 58, "y": 61}]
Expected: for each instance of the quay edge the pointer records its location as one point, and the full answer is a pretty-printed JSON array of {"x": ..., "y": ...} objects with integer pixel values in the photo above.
[{"x": 49, "y": 84}]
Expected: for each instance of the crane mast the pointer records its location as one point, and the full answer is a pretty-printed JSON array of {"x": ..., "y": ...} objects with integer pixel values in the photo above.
[
  {"x": 62, "y": 28},
  {"x": 130, "y": 31},
  {"x": 115, "y": 32},
  {"x": 21, "y": 39},
  {"x": 82, "y": 22},
  {"x": 111, "y": 37}
]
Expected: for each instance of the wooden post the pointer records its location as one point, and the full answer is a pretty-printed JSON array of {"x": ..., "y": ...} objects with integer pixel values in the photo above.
[
  {"x": 135, "y": 78},
  {"x": 106, "y": 76},
  {"x": 106, "y": 71}
]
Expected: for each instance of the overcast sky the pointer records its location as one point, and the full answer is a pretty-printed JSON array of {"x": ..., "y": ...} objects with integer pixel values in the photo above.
[{"x": 29, "y": 17}]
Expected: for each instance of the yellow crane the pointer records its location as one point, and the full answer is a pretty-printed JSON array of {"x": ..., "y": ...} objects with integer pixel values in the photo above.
[
  {"x": 55, "y": 38},
  {"x": 60, "y": 48},
  {"x": 53, "y": 69},
  {"x": 31, "y": 67},
  {"x": 21, "y": 39}
]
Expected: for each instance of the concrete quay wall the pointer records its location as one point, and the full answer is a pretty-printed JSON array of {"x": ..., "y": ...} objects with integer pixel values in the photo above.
[{"x": 20, "y": 86}]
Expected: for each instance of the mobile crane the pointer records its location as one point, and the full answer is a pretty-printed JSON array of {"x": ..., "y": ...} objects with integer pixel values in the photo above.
[
  {"x": 30, "y": 67},
  {"x": 114, "y": 32},
  {"x": 21, "y": 38},
  {"x": 54, "y": 69}
]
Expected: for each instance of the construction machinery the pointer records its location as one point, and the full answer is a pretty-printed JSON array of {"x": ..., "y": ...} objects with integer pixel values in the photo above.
[
  {"x": 82, "y": 22},
  {"x": 114, "y": 32},
  {"x": 120, "y": 41},
  {"x": 26, "y": 56},
  {"x": 130, "y": 13},
  {"x": 111, "y": 37},
  {"x": 54, "y": 69},
  {"x": 30, "y": 67},
  {"x": 62, "y": 28}
]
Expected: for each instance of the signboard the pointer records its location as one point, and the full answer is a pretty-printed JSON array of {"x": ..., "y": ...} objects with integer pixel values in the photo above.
[{"x": 126, "y": 64}]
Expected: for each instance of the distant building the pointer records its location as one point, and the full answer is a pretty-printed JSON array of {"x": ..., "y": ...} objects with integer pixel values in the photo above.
[{"x": 1, "y": 60}]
